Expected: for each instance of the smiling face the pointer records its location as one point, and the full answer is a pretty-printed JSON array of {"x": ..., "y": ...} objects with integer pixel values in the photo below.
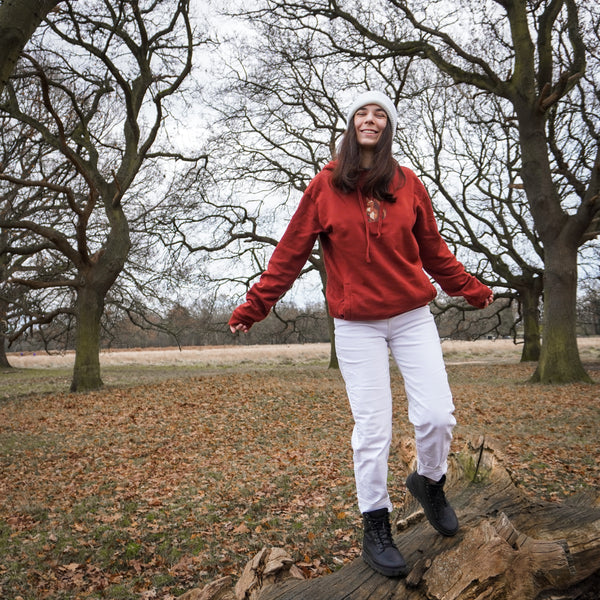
[{"x": 369, "y": 123}]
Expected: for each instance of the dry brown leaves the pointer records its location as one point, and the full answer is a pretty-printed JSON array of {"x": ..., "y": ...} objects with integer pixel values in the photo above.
[{"x": 151, "y": 490}]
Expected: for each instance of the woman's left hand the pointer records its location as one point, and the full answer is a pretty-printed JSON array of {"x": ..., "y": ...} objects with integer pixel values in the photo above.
[{"x": 488, "y": 300}]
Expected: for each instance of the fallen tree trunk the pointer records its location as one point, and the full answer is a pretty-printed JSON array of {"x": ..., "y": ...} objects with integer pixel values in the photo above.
[{"x": 509, "y": 547}]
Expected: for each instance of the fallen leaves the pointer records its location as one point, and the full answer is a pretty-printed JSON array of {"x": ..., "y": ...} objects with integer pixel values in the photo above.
[{"x": 155, "y": 489}]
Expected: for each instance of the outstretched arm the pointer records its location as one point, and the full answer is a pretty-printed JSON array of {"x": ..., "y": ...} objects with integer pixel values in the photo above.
[{"x": 285, "y": 265}]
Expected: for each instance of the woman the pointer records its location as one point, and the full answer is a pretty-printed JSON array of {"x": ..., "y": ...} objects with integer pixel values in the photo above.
[{"x": 378, "y": 235}]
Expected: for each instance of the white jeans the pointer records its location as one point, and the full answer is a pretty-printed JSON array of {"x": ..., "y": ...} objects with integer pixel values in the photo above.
[{"x": 362, "y": 351}]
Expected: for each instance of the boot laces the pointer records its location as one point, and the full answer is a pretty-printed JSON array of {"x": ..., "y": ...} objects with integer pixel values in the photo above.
[
  {"x": 382, "y": 532},
  {"x": 437, "y": 498}
]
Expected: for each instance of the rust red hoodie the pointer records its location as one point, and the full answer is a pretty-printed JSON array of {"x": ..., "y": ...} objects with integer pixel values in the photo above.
[{"x": 377, "y": 255}]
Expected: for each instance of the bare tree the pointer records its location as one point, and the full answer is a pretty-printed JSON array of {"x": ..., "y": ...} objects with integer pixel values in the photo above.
[
  {"x": 471, "y": 157},
  {"x": 282, "y": 122},
  {"x": 533, "y": 56},
  {"x": 278, "y": 128},
  {"x": 17, "y": 247},
  {"x": 150, "y": 282},
  {"x": 101, "y": 76}
]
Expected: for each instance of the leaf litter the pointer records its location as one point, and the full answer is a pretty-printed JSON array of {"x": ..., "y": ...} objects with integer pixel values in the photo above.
[{"x": 151, "y": 490}]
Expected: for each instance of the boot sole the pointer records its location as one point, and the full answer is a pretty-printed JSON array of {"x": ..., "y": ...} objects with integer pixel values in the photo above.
[
  {"x": 412, "y": 488},
  {"x": 388, "y": 572}
]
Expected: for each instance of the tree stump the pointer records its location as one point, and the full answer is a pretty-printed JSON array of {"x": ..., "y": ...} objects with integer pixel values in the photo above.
[{"x": 509, "y": 547}]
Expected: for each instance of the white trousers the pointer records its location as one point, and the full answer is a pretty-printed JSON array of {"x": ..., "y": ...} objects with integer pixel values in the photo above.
[{"x": 363, "y": 354}]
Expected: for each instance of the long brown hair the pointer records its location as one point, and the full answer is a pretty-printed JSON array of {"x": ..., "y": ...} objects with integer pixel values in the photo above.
[{"x": 375, "y": 181}]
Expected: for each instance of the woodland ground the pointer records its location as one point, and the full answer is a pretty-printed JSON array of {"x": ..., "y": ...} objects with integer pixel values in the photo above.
[{"x": 188, "y": 463}]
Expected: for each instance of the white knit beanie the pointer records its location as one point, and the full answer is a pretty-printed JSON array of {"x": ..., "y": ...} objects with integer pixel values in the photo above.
[{"x": 374, "y": 97}]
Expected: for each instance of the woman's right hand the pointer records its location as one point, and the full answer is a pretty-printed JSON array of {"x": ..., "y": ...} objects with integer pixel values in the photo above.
[{"x": 238, "y": 327}]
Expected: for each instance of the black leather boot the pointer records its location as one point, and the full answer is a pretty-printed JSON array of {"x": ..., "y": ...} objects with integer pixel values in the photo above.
[
  {"x": 379, "y": 550},
  {"x": 433, "y": 500}
]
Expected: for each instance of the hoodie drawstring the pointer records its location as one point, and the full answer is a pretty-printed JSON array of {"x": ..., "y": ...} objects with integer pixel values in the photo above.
[{"x": 363, "y": 210}]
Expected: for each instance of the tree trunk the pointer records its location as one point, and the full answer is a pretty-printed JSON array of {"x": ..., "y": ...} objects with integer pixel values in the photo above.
[
  {"x": 18, "y": 20},
  {"x": 86, "y": 372},
  {"x": 530, "y": 302},
  {"x": 101, "y": 271},
  {"x": 509, "y": 546},
  {"x": 559, "y": 359},
  {"x": 333, "y": 359},
  {"x": 4, "y": 364}
]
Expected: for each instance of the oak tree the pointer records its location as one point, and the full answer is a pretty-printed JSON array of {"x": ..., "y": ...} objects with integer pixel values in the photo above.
[
  {"x": 535, "y": 56},
  {"x": 101, "y": 76}
]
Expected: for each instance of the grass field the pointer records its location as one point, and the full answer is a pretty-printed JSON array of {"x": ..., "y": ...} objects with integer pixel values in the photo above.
[{"x": 185, "y": 465}]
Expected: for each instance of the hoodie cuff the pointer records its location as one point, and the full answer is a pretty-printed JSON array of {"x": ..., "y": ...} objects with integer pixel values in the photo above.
[
  {"x": 478, "y": 297},
  {"x": 246, "y": 314}
]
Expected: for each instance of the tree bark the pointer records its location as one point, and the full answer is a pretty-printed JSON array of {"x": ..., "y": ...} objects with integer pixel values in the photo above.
[
  {"x": 530, "y": 302},
  {"x": 4, "y": 364},
  {"x": 560, "y": 235},
  {"x": 559, "y": 359},
  {"x": 509, "y": 546},
  {"x": 320, "y": 266},
  {"x": 333, "y": 359},
  {"x": 86, "y": 371},
  {"x": 98, "y": 276},
  {"x": 18, "y": 20}
]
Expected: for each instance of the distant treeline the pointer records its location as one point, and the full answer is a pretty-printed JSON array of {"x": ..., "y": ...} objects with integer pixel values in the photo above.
[{"x": 287, "y": 324}]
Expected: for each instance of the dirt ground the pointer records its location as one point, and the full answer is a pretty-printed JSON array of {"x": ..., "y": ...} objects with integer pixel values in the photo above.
[{"x": 454, "y": 352}]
